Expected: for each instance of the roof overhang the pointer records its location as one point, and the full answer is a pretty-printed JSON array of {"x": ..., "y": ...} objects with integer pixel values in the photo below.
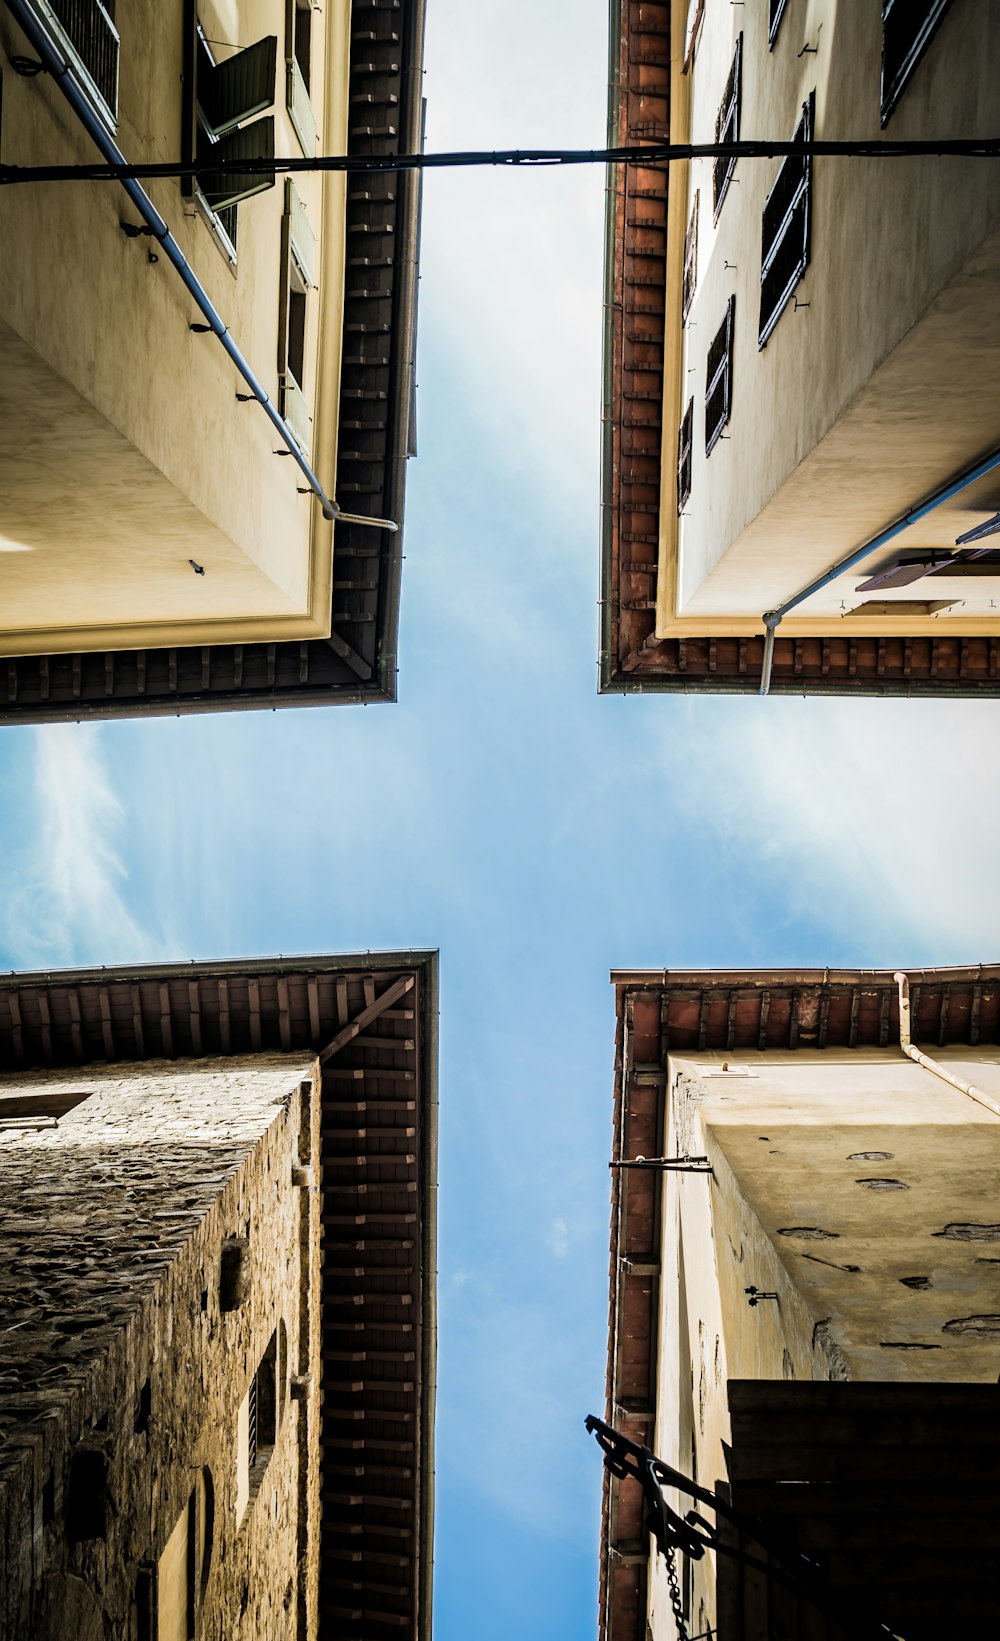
[
  {"x": 372, "y": 1019},
  {"x": 685, "y": 1010}
]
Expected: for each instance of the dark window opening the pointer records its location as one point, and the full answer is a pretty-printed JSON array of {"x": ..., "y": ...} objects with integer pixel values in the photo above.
[
  {"x": 727, "y": 128},
  {"x": 44, "y": 1108},
  {"x": 143, "y": 1408},
  {"x": 690, "y": 278},
  {"x": 785, "y": 232},
  {"x": 908, "y": 26},
  {"x": 685, "y": 450},
  {"x": 775, "y": 12},
  {"x": 263, "y": 1400},
  {"x": 302, "y": 40},
  {"x": 719, "y": 374},
  {"x": 296, "y": 332}
]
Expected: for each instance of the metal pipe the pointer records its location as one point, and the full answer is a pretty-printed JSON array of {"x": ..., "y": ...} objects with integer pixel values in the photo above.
[
  {"x": 772, "y": 618},
  {"x": 63, "y": 74},
  {"x": 925, "y": 1060}
]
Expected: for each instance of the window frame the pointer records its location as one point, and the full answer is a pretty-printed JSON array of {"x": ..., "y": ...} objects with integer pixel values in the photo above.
[
  {"x": 689, "y": 276},
  {"x": 889, "y": 95},
  {"x": 298, "y": 85},
  {"x": 685, "y": 456},
  {"x": 106, "y": 12},
  {"x": 221, "y": 219},
  {"x": 722, "y": 376},
  {"x": 263, "y": 1407},
  {"x": 775, "y": 12},
  {"x": 298, "y": 279},
  {"x": 727, "y": 128},
  {"x": 800, "y": 208}
]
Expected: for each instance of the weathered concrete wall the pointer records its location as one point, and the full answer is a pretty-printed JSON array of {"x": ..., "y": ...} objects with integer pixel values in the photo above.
[
  {"x": 893, "y": 1280},
  {"x": 121, "y": 1376},
  {"x": 136, "y": 437}
]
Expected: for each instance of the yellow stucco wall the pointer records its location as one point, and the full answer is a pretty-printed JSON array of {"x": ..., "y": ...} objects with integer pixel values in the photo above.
[
  {"x": 883, "y": 386},
  {"x": 123, "y": 450},
  {"x": 784, "y": 1211}
]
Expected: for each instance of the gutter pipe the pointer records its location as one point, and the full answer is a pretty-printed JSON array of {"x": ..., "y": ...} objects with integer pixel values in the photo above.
[
  {"x": 62, "y": 73},
  {"x": 771, "y": 620},
  {"x": 925, "y": 1060}
]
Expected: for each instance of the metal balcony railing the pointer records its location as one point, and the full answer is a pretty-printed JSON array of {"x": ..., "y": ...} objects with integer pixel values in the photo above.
[{"x": 86, "y": 31}]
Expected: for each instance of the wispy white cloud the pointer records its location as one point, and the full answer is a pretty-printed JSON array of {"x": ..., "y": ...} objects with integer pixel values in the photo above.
[
  {"x": 65, "y": 888},
  {"x": 878, "y": 816},
  {"x": 558, "y": 1239}
]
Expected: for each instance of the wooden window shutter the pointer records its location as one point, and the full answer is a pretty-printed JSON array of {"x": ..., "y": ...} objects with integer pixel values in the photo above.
[
  {"x": 248, "y": 142},
  {"x": 240, "y": 87}
]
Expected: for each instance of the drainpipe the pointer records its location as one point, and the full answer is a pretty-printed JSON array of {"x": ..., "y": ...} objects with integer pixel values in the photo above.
[
  {"x": 925, "y": 1060},
  {"x": 945, "y": 493},
  {"x": 62, "y": 73}
]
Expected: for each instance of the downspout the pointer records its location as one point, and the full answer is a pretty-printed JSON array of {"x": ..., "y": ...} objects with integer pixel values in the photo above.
[
  {"x": 925, "y": 1060},
  {"x": 62, "y": 73},
  {"x": 945, "y": 493}
]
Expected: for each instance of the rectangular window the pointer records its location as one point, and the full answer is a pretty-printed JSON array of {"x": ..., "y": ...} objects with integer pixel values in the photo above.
[
  {"x": 685, "y": 448},
  {"x": 257, "y": 1428},
  {"x": 298, "y": 260},
  {"x": 719, "y": 388},
  {"x": 785, "y": 230},
  {"x": 775, "y": 12},
  {"x": 690, "y": 278},
  {"x": 45, "y": 1106},
  {"x": 219, "y": 98},
  {"x": 908, "y": 26},
  {"x": 727, "y": 128},
  {"x": 298, "y": 59},
  {"x": 86, "y": 29}
]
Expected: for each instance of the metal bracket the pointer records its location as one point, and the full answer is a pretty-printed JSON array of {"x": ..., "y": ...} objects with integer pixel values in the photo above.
[
  {"x": 801, "y": 1575},
  {"x": 675, "y": 1165}
]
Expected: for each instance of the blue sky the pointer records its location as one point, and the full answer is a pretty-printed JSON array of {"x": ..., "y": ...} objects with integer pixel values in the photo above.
[{"x": 501, "y": 811}]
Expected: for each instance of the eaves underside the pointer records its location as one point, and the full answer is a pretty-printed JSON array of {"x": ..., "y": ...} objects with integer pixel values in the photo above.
[
  {"x": 375, "y": 1020},
  {"x": 660, "y": 1011},
  {"x": 358, "y": 662}
]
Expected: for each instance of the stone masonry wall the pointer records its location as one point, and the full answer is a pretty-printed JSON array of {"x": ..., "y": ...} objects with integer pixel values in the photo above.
[{"x": 121, "y": 1376}]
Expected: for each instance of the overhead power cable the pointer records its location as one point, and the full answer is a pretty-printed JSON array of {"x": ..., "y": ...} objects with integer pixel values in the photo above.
[{"x": 665, "y": 153}]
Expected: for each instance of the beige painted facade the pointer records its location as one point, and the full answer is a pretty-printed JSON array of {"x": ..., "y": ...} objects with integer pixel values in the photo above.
[
  {"x": 858, "y": 1187},
  {"x": 881, "y": 379},
  {"x": 124, "y": 452}
]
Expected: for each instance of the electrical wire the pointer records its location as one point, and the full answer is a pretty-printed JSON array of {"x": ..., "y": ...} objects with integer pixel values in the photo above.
[{"x": 666, "y": 153}]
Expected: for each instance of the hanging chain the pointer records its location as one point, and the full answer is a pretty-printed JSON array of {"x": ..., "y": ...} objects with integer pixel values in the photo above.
[{"x": 673, "y": 1585}]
